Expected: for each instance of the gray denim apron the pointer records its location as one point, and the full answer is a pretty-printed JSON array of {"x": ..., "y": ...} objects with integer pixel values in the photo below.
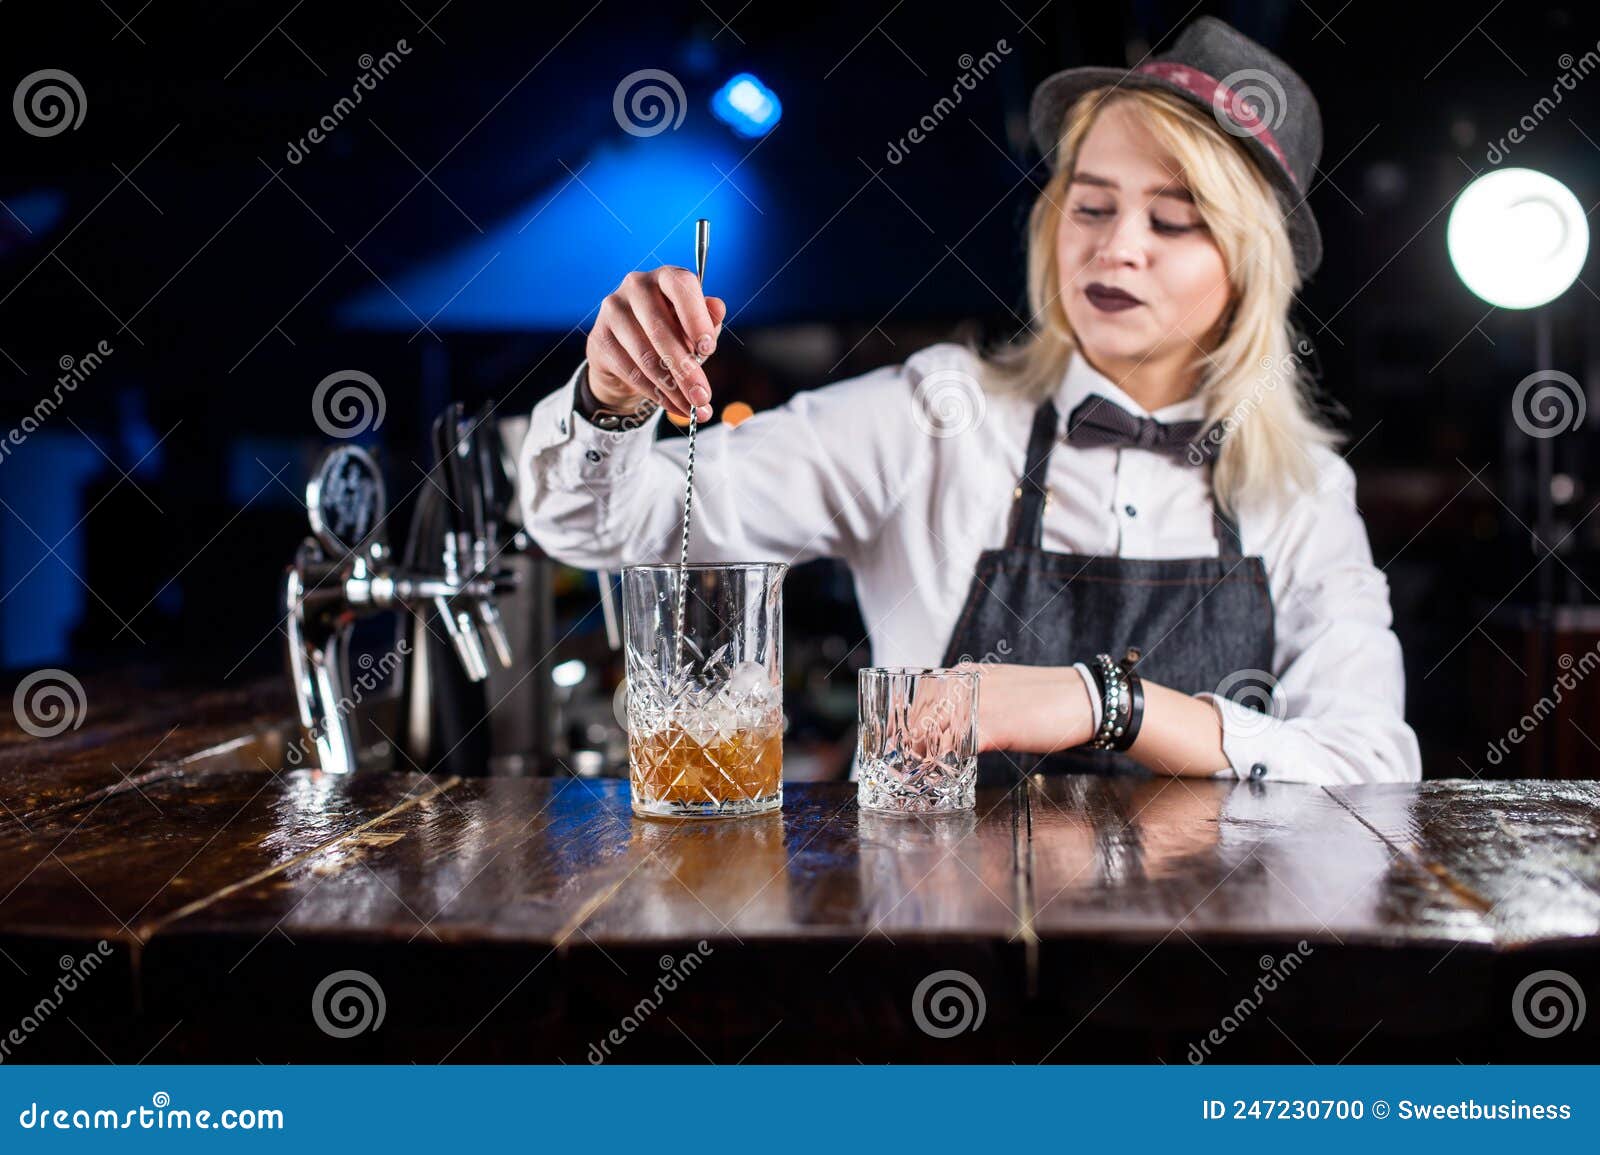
[{"x": 1195, "y": 620}]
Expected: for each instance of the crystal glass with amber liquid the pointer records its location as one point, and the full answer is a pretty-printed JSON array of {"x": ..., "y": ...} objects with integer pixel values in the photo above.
[{"x": 705, "y": 703}]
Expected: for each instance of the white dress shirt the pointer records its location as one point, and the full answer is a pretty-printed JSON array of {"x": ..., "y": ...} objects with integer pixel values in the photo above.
[{"x": 907, "y": 474}]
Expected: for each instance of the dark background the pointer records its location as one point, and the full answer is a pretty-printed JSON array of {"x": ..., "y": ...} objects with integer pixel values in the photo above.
[{"x": 454, "y": 234}]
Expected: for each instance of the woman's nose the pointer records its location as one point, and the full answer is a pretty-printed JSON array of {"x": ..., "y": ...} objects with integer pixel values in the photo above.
[{"x": 1124, "y": 245}]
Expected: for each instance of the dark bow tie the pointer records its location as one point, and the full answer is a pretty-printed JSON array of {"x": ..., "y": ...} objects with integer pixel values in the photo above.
[{"x": 1099, "y": 421}]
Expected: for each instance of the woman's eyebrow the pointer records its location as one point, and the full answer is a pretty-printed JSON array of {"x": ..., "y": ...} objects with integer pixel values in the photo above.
[{"x": 1168, "y": 189}]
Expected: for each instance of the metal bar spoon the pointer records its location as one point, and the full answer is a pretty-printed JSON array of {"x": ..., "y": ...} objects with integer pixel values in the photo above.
[{"x": 702, "y": 243}]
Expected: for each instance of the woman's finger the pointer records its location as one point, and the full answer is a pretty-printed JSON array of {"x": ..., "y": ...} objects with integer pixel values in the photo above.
[
  {"x": 655, "y": 316},
  {"x": 622, "y": 337},
  {"x": 656, "y": 382},
  {"x": 682, "y": 288}
]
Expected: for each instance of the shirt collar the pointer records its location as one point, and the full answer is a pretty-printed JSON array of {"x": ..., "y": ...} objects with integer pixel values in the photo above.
[{"x": 1082, "y": 379}]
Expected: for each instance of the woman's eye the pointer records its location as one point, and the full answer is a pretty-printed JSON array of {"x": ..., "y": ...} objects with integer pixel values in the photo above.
[
  {"x": 1168, "y": 229},
  {"x": 1094, "y": 214}
]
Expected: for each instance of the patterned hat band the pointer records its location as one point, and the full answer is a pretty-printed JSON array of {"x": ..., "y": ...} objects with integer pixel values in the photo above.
[{"x": 1222, "y": 99}]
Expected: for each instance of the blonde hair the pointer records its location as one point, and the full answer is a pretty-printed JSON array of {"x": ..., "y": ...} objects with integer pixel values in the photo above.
[{"x": 1258, "y": 401}]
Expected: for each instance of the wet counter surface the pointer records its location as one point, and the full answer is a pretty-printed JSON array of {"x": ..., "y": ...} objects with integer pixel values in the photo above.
[{"x": 239, "y": 910}]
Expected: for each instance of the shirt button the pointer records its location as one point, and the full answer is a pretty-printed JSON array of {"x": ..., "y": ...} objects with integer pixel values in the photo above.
[
  {"x": 1259, "y": 770},
  {"x": 563, "y": 425},
  {"x": 1130, "y": 511},
  {"x": 593, "y": 455}
]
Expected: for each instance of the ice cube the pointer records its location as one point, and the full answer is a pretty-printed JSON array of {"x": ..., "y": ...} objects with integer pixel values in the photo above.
[
  {"x": 702, "y": 726},
  {"x": 749, "y": 680}
]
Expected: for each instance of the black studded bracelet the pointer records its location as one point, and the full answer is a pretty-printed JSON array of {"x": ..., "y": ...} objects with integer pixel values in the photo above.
[{"x": 1121, "y": 701}]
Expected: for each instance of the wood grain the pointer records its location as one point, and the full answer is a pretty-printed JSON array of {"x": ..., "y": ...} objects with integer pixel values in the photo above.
[
  {"x": 1210, "y": 859},
  {"x": 523, "y": 919},
  {"x": 1525, "y": 854},
  {"x": 117, "y": 867},
  {"x": 127, "y": 738}
]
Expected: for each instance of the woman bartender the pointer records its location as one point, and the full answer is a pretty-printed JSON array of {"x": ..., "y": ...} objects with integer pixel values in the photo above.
[{"x": 1132, "y": 520}]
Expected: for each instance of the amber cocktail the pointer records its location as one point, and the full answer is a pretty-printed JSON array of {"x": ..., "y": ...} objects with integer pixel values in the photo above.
[
  {"x": 705, "y": 703},
  {"x": 675, "y": 770}
]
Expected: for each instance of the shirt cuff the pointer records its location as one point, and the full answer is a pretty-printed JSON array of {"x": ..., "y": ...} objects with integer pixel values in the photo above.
[
  {"x": 577, "y": 452},
  {"x": 1094, "y": 691},
  {"x": 1247, "y": 737}
]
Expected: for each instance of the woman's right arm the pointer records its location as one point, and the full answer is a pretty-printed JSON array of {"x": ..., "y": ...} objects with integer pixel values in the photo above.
[{"x": 813, "y": 478}]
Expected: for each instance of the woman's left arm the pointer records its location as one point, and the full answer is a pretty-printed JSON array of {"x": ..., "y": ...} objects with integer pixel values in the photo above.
[
  {"x": 1045, "y": 709},
  {"x": 1337, "y": 713}
]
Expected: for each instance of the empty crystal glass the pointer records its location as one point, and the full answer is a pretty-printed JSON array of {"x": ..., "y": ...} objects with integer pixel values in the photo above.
[
  {"x": 705, "y": 707},
  {"x": 917, "y": 750}
]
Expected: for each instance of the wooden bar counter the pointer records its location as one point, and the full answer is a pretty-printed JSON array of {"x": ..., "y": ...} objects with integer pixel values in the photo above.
[{"x": 228, "y": 900}]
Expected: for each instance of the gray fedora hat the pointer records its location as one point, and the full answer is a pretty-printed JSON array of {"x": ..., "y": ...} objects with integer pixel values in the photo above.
[{"x": 1254, "y": 97}]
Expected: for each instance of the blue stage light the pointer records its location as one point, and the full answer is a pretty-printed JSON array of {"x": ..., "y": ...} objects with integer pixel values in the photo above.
[
  {"x": 747, "y": 106},
  {"x": 549, "y": 262}
]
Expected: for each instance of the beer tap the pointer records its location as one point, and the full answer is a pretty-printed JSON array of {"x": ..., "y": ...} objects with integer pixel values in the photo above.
[
  {"x": 495, "y": 498},
  {"x": 345, "y": 571},
  {"x": 450, "y": 445}
]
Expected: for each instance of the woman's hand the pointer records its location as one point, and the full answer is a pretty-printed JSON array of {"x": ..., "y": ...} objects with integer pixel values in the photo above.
[
  {"x": 1031, "y": 709},
  {"x": 649, "y": 340}
]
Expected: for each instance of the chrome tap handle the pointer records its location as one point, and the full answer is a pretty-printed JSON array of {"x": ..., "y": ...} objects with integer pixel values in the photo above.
[
  {"x": 463, "y": 637},
  {"x": 451, "y": 446},
  {"x": 492, "y": 492},
  {"x": 300, "y": 675},
  {"x": 335, "y": 736},
  {"x": 489, "y": 619},
  {"x": 495, "y": 475},
  {"x": 319, "y": 660},
  {"x": 466, "y": 482},
  {"x": 473, "y": 659},
  {"x": 477, "y": 485}
]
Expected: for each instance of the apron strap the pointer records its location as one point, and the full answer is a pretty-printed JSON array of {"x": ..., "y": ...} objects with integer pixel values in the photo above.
[
  {"x": 1227, "y": 530},
  {"x": 1027, "y": 507},
  {"x": 1028, "y": 504}
]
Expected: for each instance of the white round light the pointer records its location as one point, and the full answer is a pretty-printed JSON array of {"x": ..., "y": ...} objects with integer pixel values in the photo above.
[
  {"x": 1517, "y": 238},
  {"x": 568, "y": 674}
]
